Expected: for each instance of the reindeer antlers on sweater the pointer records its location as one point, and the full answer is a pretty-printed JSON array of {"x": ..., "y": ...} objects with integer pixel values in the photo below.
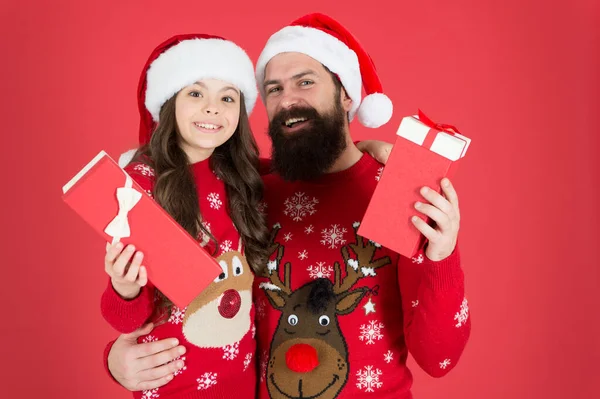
[
  {"x": 272, "y": 270},
  {"x": 358, "y": 268}
]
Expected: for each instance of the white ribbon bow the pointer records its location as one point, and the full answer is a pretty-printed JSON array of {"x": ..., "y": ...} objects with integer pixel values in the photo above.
[{"x": 127, "y": 197}]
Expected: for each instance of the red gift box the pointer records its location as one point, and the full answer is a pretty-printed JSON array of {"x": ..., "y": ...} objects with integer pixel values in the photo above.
[
  {"x": 106, "y": 197},
  {"x": 423, "y": 154}
]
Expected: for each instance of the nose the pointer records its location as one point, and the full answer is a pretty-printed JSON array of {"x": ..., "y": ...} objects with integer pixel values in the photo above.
[
  {"x": 211, "y": 110},
  {"x": 288, "y": 98},
  {"x": 230, "y": 304},
  {"x": 289, "y": 102},
  {"x": 301, "y": 358}
]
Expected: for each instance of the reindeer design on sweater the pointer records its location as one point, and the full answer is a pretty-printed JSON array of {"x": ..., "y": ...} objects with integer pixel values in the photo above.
[
  {"x": 220, "y": 315},
  {"x": 308, "y": 354}
]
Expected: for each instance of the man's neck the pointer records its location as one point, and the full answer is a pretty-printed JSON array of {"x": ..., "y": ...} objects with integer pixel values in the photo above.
[{"x": 348, "y": 158}]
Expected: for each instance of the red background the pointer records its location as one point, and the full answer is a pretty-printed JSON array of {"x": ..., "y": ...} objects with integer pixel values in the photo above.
[{"x": 518, "y": 77}]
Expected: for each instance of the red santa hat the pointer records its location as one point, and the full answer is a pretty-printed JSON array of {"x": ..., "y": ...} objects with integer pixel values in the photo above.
[
  {"x": 328, "y": 42},
  {"x": 179, "y": 62}
]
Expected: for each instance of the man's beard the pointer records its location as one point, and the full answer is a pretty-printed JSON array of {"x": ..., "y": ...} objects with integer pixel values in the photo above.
[{"x": 310, "y": 152}]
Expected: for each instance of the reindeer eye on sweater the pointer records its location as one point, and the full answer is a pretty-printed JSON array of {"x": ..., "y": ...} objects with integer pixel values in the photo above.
[
  {"x": 293, "y": 320},
  {"x": 223, "y": 275},
  {"x": 324, "y": 320},
  {"x": 238, "y": 269}
]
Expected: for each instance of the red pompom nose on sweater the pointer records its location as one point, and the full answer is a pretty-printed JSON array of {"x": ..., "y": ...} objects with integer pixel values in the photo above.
[
  {"x": 301, "y": 358},
  {"x": 230, "y": 304}
]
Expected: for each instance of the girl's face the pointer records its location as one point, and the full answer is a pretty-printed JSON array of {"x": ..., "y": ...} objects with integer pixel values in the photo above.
[{"x": 207, "y": 114}]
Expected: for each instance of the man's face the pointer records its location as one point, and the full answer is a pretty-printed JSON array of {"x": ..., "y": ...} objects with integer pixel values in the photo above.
[
  {"x": 293, "y": 79},
  {"x": 307, "y": 116}
]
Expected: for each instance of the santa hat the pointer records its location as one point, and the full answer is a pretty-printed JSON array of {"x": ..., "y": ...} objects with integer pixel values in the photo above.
[
  {"x": 179, "y": 62},
  {"x": 328, "y": 42}
]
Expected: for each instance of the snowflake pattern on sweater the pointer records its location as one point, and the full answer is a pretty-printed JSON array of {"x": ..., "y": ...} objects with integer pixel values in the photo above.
[
  {"x": 333, "y": 237},
  {"x": 368, "y": 379},
  {"x": 371, "y": 332},
  {"x": 207, "y": 380},
  {"x": 299, "y": 206},
  {"x": 150, "y": 394}
]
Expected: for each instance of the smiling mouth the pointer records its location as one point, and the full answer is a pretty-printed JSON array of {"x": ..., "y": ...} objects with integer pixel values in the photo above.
[
  {"x": 293, "y": 124},
  {"x": 293, "y": 121},
  {"x": 207, "y": 127},
  {"x": 301, "y": 395}
]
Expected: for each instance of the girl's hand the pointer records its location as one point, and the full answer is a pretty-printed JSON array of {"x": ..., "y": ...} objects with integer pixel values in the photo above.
[{"x": 127, "y": 276}]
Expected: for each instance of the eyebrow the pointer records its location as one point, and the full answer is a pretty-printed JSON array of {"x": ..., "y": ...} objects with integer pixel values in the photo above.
[
  {"x": 297, "y": 306},
  {"x": 222, "y": 89},
  {"x": 295, "y": 77}
]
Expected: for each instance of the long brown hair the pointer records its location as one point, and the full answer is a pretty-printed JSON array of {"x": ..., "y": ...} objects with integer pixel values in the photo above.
[{"x": 235, "y": 162}]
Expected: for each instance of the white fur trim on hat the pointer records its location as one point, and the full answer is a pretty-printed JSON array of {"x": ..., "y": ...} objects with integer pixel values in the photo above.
[
  {"x": 325, "y": 48},
  {"x": 376, "y": 110},
  {"x": 196, "y": 59}
]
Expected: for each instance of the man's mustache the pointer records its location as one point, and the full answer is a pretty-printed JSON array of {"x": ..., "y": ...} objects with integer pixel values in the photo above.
[{"x": 305, "y": 112}]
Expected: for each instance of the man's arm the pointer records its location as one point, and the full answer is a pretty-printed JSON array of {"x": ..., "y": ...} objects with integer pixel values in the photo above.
[
  {"x": 380, "y": 150},
  {"x": 139, "y": 367},
  {"x": 436, "y": 314}
]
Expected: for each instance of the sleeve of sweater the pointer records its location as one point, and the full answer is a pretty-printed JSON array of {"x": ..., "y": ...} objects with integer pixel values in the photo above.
[
  {"x": 107, "y": 350},
  {"x": 127, "y": 315},
  {"x": 436, "y": 314}
]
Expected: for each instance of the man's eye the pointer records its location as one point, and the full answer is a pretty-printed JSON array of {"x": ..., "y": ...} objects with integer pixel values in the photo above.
[
  {"x": 306, "y": 82},
  {"x": 273, "y": 90}
]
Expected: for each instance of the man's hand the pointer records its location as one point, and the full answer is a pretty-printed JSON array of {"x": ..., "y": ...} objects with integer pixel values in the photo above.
[
  {"x": 446, "y": 215},
  {"x": 139, "y": 367},
  {"x": 380, "y": 150}
]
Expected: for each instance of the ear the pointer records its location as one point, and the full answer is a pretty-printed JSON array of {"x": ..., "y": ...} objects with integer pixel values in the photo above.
[
  {"x": 276, "y": 298},
  {"x": 346, "y": 101},
  {"x": 348, "y": 301}
]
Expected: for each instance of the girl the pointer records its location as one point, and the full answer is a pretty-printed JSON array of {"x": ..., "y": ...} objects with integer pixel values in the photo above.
[{"x": 198, "y": 159}]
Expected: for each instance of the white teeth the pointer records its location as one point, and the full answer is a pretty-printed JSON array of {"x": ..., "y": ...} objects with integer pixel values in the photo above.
[
  {"x": 207, "y": 126},
  {"x": 291, "y": 121}
]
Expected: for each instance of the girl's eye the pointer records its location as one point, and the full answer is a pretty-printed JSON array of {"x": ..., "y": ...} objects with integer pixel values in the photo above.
[
  {"x": 195, "y": 94},
  {"x": 228, "y": 99}
]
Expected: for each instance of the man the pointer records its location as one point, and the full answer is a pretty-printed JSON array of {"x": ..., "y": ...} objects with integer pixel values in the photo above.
[{"x": 336, "y": 313}]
